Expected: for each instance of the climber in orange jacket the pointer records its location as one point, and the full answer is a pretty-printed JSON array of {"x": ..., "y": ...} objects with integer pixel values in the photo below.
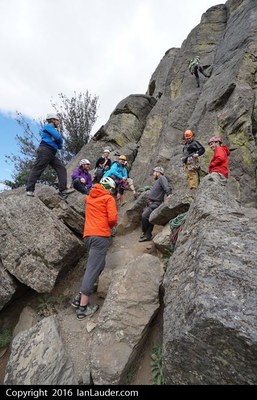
[
  {"x": 101, "y": 216},
  {"x": 219, "y": 162}
]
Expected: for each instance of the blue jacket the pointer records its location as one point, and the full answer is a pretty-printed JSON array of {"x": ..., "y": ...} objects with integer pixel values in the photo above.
[
  {"x": 119, "y": 171},
  {"x": 48, "y": 133}
]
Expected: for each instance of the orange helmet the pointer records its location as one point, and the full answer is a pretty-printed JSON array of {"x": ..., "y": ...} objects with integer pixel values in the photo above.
[
  {"x": 215, "y": 139},
  {"x": 188, "y": 134},
  {"x": 122, "y": 157}
]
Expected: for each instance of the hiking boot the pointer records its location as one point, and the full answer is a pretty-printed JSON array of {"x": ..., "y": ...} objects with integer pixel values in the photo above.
[
  {"x": 145, "y": 239},
  {"x": 84, "y": 311},
  {"x": 76, "y": 301},
  {"x": 30, "y": 194}
]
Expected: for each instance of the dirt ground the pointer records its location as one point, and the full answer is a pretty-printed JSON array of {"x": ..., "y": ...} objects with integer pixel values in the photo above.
[{"x": 71, "y": 327}]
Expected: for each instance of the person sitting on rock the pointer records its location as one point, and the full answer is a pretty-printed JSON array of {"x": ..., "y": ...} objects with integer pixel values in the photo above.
[
  {"x": 81, "y": 177},
  {"x": 119, "y": 173},
  {"x": 102, "y": 165},
  {"x": 155, "y": 198}
]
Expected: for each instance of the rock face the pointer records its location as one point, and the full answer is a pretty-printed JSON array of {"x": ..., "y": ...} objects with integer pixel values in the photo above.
[
  {"x": 38, "y": 357},
  {"x": 210, "y": 312},
  {"x": 35, "y": 246},
  {"x": 134, "y": 294}
]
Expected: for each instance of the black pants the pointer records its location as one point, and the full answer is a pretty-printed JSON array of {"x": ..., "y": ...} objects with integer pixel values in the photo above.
[
  {"x": 47, "y": 156},
  {"x": 197, "y": 68},
  {"x": 80, "y": 187},
  {"x": 147, "y": 227}
]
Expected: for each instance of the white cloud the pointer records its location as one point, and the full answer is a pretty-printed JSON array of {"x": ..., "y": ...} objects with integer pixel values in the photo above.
[{"x": 110, "y": 48}]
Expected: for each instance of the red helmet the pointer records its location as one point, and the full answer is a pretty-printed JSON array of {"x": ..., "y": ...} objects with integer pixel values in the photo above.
[
  {"x": 214, "y": 139},
  {"x": 188, "y": 134}
]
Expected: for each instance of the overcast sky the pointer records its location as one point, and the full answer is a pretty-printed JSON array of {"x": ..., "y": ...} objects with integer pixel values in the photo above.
[{"x": 108, "y": 47}]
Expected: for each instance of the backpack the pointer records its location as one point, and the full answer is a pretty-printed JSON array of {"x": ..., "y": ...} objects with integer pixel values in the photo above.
[{"x": 192, "y": 63}]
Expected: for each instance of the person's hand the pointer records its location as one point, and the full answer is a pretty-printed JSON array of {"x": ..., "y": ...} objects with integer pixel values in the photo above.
[
  {"x": 124, "y": 179},
  {"x": 195, "y": 155},
  {"x": 82, "y": 180},
  {"x": 169, "y": 196}
]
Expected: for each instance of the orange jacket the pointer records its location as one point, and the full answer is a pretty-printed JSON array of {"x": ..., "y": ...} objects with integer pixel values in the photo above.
[{"x": 100, "y": 213}]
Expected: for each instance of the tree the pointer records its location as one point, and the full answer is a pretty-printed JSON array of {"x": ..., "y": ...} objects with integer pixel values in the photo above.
[{"x": 77, "y": 117}]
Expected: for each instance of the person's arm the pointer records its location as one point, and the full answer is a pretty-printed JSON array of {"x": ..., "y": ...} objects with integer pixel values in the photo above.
[
  {"x": 165, "y": 185},
  {"x": 219, "y": 158},
  {"x": 55, "y": 134},
  {"x": 75, "y": 174},
  {"x": 200, "y": 150},
  {"x": 112, "y": 212}
]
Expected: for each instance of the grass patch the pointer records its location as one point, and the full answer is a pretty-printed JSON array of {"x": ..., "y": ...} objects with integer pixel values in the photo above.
[
  {"x": 5, "y": 337},
  {"x": 157, "y": 373}
]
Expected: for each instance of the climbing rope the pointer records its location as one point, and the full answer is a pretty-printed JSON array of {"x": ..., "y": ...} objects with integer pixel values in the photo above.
[{"x": 176, "y": 226}]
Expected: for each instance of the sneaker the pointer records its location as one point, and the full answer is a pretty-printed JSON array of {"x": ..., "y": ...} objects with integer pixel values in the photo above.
[
  {"x": 142, "y": 235},
  {"x": 76, "y": 301},
  {"x": 66, "y": 191},
  {"x": 31, "y": 194},
  {"x": 84, "y": 311},
  {"x": 145, "y": 239}
]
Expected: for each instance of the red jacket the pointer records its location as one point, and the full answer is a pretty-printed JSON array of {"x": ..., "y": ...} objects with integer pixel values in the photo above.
[
  {"x": 100, "y": 213},
  {"x": 219, "y": 162}
]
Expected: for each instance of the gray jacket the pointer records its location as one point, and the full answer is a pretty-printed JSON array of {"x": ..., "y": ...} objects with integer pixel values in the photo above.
[{"x": 159, "y": 189}]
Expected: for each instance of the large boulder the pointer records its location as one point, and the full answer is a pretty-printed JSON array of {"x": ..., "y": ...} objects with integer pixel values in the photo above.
[{"x": 210, "y": 315}]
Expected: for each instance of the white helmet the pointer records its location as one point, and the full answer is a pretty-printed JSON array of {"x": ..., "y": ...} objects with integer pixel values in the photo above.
[
  {"x": 108, "y": 183},
  {"x": 106, "y": 151},
  {"x": 159, "y": 169},
  {"x": 84, "y": 162},
  {"x": 52, "y": 116}
]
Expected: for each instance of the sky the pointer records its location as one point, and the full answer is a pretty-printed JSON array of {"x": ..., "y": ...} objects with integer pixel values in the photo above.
[{"x": 110, "y": 48}]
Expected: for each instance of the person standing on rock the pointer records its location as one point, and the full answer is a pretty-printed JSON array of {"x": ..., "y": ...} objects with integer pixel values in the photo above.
[
  {"x": 219, "y": 161},
  {"x": 155, "y": 198},
  {"x": 51, "y": 141},
  {"x": 101, "y": 216},
  {"x": 191, "y": 151}
]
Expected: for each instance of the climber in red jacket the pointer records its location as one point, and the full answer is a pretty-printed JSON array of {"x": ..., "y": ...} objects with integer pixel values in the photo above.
[{"x": 219, "y": 162}]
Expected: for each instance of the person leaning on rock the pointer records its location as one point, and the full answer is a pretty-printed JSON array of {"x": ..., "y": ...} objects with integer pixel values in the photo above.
[
  {"x": 219, "y": 161},
  {"x": 155, "y": 198},
  {"x": 51, "y": 141}
]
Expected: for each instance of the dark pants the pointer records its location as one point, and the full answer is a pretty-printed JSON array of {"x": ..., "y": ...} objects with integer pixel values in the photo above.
[
  {"x": 147, "y": 227},
  {"x": 197, "y": 68},
  {"x": 80, "y": 187},
  {"x": 97, "y": 247},
  {"x": 47, "y": 156}
]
